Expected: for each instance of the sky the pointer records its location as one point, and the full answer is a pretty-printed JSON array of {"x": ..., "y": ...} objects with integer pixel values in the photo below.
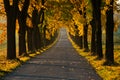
[{"x": 118, "y": 1}]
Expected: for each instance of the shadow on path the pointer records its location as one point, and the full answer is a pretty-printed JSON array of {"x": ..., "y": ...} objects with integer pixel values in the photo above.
[{"x": 61, "y": 62}]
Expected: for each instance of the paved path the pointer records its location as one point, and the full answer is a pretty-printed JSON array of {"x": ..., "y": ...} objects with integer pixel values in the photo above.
[{"x": 61, "y": 62}]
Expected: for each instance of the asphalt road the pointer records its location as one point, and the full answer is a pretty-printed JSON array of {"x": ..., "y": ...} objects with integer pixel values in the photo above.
[{"x": 61, "y": 62}]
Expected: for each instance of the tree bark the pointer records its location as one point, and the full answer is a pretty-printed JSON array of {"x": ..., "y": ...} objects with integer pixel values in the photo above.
[
  {"x": 98, "y": 30},
  {"x": 93, "y": 36},
  {"x": 22, "y": 30},
  {"x": 109, "y": 53},
  {"x": 11, "y": 12},
  {"x": 36, "y": 33},
  {"x": 96, "y": 7},
  {"x": 79, "y": 40},
  {"x": 85, "y": 35},
  {"x": 29, "y": 40}
]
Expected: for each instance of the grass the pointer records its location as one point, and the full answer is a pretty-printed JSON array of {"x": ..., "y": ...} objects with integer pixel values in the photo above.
[
  {"x": 106, "y": 72},
  {"x": 7, "y": 66}
]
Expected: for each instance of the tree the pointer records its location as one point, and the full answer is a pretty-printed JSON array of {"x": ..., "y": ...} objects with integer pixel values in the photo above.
[
  {"x": 93, "y": 36},
  {"x": 85, "y": 30},
  {"x": 109, "y": 54},
  {"x": 36, "y": 33},
  {"x": 22, "y": 17},
  {"x": 81, "y": 40},
  {"x": 38, "y": 26},
  {"x": 11, "y": 12},
  {"x": 97, "y": 14}
]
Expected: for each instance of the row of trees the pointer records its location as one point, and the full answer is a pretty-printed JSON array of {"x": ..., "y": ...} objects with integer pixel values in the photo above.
[
  {"x": 89, "y": 13},
  {"x": 33, "y": 26},
  {"x": 40, "y": 18}
]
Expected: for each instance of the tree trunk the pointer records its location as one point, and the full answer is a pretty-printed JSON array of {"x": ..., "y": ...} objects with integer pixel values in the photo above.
[
  {"x": 22, "y": 34},
  {"x": 42, "y": 31},
  {"x": 97, "y": 14},
  {"x": 36, "y": 33},
  {"x": 22, "y": 30},
  {"x": 109, "y": 53},
  {"x": 98, "y": 30},
  {"x": 11, "y": 42},
  {"x": 11, "y": 12},
  {"x": 85, "y": 36},
  {"x": 93, "y": 43},
  {"x": 29, "y": 40},
  {"x": 79, "y": 40},
  {"x": 85, "y": 30}
]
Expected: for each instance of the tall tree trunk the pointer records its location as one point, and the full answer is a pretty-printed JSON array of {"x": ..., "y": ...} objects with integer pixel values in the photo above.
[
  {"x": 98, "y": 38},
  {"x": 22, "y": 30},
  {"x": 29, "y": 40},
  {"x": 11, "y": 12},
  {"x": 98, "y": 30},
  {"x": 36, "y": 33},
  {"x": 85, "y": 36},
  {"x": 93, "y": 36},
  {"x": 22, "y": 34},
  {"x": 42, "y": 31},
  {"x": 81, "y": 42},
  {"x": 109, "y": 53},
  {"x": 78, "y": 39}
]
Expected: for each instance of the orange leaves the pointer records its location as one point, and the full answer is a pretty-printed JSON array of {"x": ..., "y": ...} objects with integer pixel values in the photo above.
[
  {"x": 2, "y": 34},
  {"x": 29, "y": 22}
]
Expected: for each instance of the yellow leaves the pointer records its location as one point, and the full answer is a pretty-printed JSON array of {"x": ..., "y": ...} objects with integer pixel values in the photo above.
[
  {"x": 24, "y": 59},
  {"x": 79, "y": 21},
  {"x": 71, "y": 30},
  {"x": 8, "y": 65},
  {"x": 78, "y": 18},
  {"x": 48, "y": 35},
  {"x": 103, "y": 12},
  {"x": 80, "y": 28}
]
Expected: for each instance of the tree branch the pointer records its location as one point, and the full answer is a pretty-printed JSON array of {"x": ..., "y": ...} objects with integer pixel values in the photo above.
[{"x": 6, "y": 5}]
